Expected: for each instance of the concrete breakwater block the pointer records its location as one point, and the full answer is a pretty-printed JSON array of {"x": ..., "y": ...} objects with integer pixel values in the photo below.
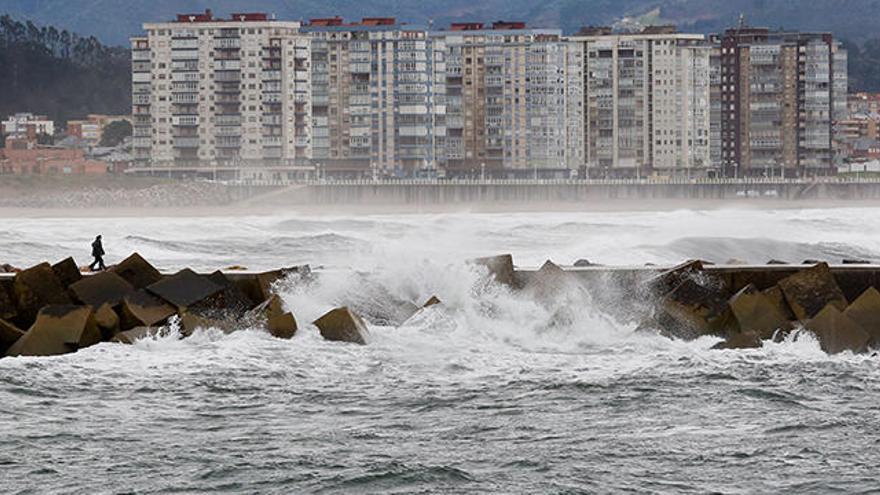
[
  {"x": 107, "y": 321},
  {"x": 432, "y": 301},
  {"x": 137, "y": 271},
  {"x": 259, "y": 287},
  {"x": 698, "y": 307},
  {"x": 190, "y": 322},
  {"x": 135, "y": 334},
  {"x": 34, "y": 289},
  {"x": 142, "y": 309},
  {"x": 549, "y": 282},
  {"x": 742, "y": 340},
  {"x": 230, "y": 301},
  {"x": 102, "y": 288},
  {"x": 8, "y": 310},
  {"x": 9, "y": 335},
  {"x": 865, "y": 311},
  {"x": 342, "y": 325},
  {"x": 837, "y": 332},
  {"x": 67, "y": 272},
  {"x": 59, "y": 329},
  {"x": 500, "y": 268},
  {"x": 271, "y": 313},
  {"x": 184, "y": 288},
  {"x": 757, "y": 313},
  {"x": 809, "y": 291}
]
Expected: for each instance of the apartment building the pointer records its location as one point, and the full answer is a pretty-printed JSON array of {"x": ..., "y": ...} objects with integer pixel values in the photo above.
[
  {"x": 511, "y": 109},
  {"x": 647, "y": 109},
  {"x": 28, "y": 126},
  {"x": 91, "y": 129},
  {"x": 231, "y": 93},
  {"x": 778, "y": 95},
  {"x": 378, "y": 89}
]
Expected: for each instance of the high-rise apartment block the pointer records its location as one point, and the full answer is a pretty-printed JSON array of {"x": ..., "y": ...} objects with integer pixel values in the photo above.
[
  {"x": 775, "y": 96},
  {"x": 378, "y": 91},
  {"x": 647, "y": 103},
  {"x": 514, "y": 102},
  {"x": 230, "y": 92},
  {"x": 258, "y": 98}
]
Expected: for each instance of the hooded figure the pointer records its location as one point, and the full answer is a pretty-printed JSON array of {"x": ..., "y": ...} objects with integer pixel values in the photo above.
[{"x": 98, "y": 254}]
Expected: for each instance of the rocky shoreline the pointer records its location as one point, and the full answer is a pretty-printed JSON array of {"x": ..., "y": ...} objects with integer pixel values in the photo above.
[{"x": 55, "y": 309}]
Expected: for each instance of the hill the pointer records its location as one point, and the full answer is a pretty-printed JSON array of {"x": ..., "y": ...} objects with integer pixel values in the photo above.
[
  {"x": 113, "y": 21},
  {"x": 60, "y": 74}
]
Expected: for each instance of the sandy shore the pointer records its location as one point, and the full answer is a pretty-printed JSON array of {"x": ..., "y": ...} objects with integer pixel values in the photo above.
[{"x": 403, "y": 209}]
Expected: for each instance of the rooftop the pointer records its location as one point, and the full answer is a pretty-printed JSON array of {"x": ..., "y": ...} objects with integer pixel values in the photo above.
[{"x": 208, "y": 16}]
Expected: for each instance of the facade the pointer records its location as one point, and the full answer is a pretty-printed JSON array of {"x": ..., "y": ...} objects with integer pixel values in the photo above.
[
  {"x": 512, "y": 106},
  {"x": 28, "y": 126},
  {"x": 779, "y": 95},
  {"x": 863, "y": 104},
  {"x": 378, "y": 91},
  {"x": 22, "y": 156},
  {"x": 647, "y": 103},
  {"x": 86, "y": 130},
  {"x": 91, "y": 129},
  {"x": 232, "y": 93}
]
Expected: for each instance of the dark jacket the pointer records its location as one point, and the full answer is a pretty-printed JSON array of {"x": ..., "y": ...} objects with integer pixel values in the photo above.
[{"x": 97, "y": 248}]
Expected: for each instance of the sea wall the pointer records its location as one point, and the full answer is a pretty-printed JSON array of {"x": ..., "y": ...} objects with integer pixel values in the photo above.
[{"x": 458, "y": 192}]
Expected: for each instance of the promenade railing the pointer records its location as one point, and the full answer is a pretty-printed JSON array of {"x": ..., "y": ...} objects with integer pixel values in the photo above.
[{"x": 552, "y": 182}]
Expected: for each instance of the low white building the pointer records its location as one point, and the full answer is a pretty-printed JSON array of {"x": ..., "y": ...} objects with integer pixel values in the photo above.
[{"x": 16, "y": 126}]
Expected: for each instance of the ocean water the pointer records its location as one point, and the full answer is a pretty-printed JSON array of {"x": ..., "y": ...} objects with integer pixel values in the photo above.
[{"x": 488, "y": 393}]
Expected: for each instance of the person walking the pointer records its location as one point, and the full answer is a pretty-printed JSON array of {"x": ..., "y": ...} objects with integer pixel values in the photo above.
[{"x": 98, "y": 254}]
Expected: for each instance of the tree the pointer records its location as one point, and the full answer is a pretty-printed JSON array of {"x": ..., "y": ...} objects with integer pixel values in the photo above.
[
  {"x": 45, "y": 139},
  {"x": 115, "y": 132},
  {"x": 56, "y": 73},
  {"x": 2, "y": 139}
]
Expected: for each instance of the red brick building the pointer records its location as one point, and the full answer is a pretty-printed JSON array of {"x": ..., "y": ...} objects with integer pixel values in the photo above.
[{"x": 21, "y": 157}]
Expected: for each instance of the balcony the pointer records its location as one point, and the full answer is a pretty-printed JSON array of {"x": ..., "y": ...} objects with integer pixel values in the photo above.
[
  {"x": 228, "y": 142},
  {"x": 227, "y": 131},
  {"x": 272, "y": 120},
  {"x": 185, "y": 120},
  {"x": 227, "y": 76},
  {"x": 227, "y": 43},
  {"x": 272, "y": 141},
  {"x": 231, "y": 64},
  {"x": 184, "y": 98},
  {"x": 272, "y": 153},
  {"x": 186, "y": 142},
  {"x": 228, "y": 120}
]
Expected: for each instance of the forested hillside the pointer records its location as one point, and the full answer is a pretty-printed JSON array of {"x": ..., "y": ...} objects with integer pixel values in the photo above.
[{"x": 61, "y": 74}]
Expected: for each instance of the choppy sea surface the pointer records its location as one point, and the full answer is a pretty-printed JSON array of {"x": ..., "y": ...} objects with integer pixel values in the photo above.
[{"x": 486, "y": 394}]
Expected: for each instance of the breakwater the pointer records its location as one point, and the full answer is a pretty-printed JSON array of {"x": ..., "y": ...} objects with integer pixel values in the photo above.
[
  {"x": 555, "y": 191},
  {"x": 55, "y": 309}
]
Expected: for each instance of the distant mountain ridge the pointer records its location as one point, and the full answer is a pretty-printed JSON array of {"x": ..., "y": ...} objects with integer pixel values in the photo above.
[{"x": 113, "y": 21}]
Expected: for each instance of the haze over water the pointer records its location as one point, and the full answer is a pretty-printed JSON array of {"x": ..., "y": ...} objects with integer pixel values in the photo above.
[{"x": 488, "y": 393}]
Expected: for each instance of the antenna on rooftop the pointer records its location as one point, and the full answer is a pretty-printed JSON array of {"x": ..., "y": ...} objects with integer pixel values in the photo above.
[{"x": 742, "y": 20}]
